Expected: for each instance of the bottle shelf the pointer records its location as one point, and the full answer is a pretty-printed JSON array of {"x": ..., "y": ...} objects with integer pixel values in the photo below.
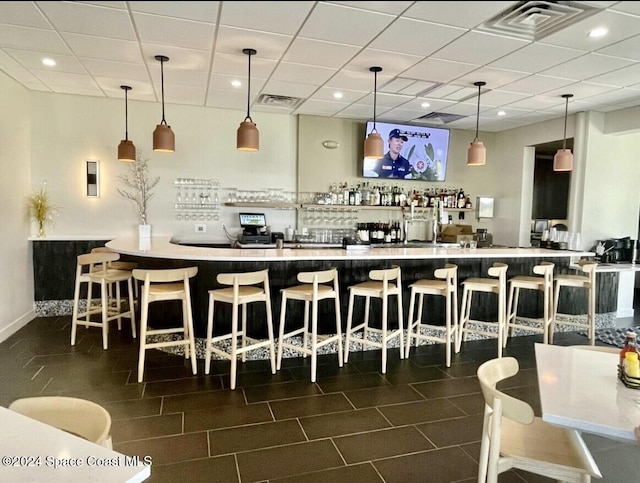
[
  {"x": 259, "y": 204},
  {"x": 305, "y": 206}
]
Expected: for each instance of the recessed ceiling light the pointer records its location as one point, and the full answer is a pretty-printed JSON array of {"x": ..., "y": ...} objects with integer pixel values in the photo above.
[
  {"x": 236, "y": 83},
  {"x": 598, "y": 32},
  {"x": 337, "y": 95},
  {"x": 502, "y": 113},
  {"x": 49, "y": 62},
  {"x": 425, "y": 104}
]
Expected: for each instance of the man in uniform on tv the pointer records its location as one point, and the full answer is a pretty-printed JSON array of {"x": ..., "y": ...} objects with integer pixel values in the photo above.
[{"x": 393, "y": 164}]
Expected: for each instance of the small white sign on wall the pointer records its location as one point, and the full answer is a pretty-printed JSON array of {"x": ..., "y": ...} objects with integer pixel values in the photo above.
[{"x": 485, "y": 207}]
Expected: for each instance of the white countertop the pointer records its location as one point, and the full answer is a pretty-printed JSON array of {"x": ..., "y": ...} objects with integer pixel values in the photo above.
[
  {"x": 34, "y": 451},
  {"x": 161, "y": 247},
  {"x": 579, "y": 389}
]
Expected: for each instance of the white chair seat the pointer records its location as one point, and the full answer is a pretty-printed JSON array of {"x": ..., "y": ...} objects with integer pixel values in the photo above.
[
  {"x": 528, "y": 282},
  {"x": 482, "y": 284},
  {"x": 373, "y": 288}
]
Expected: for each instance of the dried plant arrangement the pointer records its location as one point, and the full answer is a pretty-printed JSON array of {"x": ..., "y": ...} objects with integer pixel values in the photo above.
[
  {"x": 140, "y": 184},
  {"x": 40, "y": 208}
]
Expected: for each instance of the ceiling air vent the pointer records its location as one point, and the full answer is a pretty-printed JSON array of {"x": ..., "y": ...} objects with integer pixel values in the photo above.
[
  {"x": 274, "y": 100},
  {"x": 437, "y": 118},
  {"x": 534, "y": 20}
]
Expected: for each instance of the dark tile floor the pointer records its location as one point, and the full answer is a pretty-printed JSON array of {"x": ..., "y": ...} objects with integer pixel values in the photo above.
[{"x": 419, "y": 422}]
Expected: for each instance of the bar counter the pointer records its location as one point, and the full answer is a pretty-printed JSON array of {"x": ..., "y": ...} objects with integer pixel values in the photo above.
[{"x": 353, "y": 267}]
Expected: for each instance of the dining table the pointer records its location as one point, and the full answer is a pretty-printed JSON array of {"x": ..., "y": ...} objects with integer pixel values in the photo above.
[
  {"x": 580, "y": 389},
  {"x": 34, "y": 451}
]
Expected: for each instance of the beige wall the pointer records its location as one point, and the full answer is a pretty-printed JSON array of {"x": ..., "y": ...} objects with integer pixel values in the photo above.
[{"x": 16, "y": 272}]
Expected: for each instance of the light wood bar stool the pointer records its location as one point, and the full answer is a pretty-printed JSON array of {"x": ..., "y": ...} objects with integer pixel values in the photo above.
[
  {"x": 498, "y": 286},
  {"x": 94, "y": 268},
  {"x": 543, "y": 283},
  {"x": 445, "y": 286},
  {"x": 242, "y": 291},
  {"x": 118, "y": 265},
  {"x": 160, "y": 285},
  {"x": 588, "y": 282},
  {"x": 382, "y": 284},
  {"x": 315, "y": 286}
]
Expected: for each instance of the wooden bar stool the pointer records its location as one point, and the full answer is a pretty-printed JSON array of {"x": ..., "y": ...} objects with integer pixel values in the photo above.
[
  {"x": 160, "y": 285},
  {"x": 242, "y": 291},
  {"x": 446, "y": 286},
  {"x": 381, "y": 284},
  {"x": 587, "y": 282},
  {"x": 498, "y": 286},
  {"x": 315, "y": 286},
  {"x": 94, "y": 268},
  {"x": 543, "y": 283}
]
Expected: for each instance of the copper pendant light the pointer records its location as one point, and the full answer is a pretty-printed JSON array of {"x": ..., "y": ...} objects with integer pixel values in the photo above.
[
  {"x": 373, "y": 144},
  {"x": 248, "y": 137},
  {"x": 126, "y": 149},
  {"x": 164, "y": 140},
  {"x": 563, "y": 160},
  {"x": 477, "y": 153}
]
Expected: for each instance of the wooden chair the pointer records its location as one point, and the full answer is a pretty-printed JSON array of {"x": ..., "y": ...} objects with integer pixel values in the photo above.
[
  {"x": 587, "y": 282},
  {"x": 512, "y": 437},
  {"x": 242, "y": 291},
  {"x": 542, "y": 283},
  {"x": 382, "y": 284},
  {"x": 159, "y": 285},
  {"x": 77, "y": 416},
  {"x": 445, "y": 285},
  {"x": 93, "y": 268},
  {"x": 314, "y": 287},
  {"x": 496, "y": 285}
]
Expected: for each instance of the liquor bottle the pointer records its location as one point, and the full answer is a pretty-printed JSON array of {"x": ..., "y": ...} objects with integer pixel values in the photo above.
[
  {"x": 468, "y": 204},
  {"x": 630, "y": 345},
  {"x": 462, "y": 199}
]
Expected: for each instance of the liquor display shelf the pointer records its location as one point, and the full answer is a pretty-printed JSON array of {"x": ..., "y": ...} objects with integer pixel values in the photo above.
[
  {"x": 196, "y": 199},
  {"x": 304, "y": 206}
]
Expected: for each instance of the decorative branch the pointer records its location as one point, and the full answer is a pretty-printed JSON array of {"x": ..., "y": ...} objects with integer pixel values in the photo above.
[{"x": 141, "y": 185}]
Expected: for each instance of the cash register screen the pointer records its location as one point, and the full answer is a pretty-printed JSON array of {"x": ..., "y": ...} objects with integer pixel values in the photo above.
[{"x": 252, "y": 220}]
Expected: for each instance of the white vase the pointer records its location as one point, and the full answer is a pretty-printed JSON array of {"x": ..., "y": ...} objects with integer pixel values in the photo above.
[{"x": 144, "y": 231}]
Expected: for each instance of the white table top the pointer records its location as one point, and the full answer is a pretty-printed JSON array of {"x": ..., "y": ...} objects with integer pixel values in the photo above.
[
  {"x": 161, "y": 247},
  {"x": 30, "y": 451},
  {"x": 580, "y": 389}
]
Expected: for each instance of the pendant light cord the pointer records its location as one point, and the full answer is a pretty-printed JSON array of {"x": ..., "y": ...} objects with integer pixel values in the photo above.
[
  {"x": 126, "y": 116},
  {"x": 566, "y": 113},
  {"x": 478, "y": 112},
  {"x": 248, "y": 88},
  {"x": 375, "y": 91},
  {"x": 162, "y": 87}
]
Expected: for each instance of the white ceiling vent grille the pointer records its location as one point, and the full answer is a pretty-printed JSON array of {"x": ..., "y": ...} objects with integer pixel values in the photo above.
[
  {"x": 534, "y": 20},
  {"x": 274, "y": 100},
  {"x": 437, "y": 118}
]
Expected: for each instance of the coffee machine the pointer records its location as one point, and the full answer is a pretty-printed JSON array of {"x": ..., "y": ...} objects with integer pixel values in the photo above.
[{"x": 618, "y": 250}]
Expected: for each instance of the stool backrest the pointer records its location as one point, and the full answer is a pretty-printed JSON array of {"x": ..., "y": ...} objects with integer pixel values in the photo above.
[
  {"x": 387, "y": 274},
  {"x": 244, "y": 278},
  {"x": 498, "y": 270},
  {"x": 164, "y": 275},
  {"x": 322, "y": 276},
  {"x": 589, "y": 268},
  {"x": 450, "y": 274},
  {"x": 546, "y": 270},
  {"x": 90, "y": 260}
]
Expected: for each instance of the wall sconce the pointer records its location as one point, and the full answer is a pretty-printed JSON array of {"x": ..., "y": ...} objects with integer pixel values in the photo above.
[{"x": 93, "y": 178}]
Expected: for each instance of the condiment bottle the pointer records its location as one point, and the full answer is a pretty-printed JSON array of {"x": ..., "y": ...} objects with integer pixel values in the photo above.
[
  {"x": 630, "y": 345},
  {"x": 631, "y": 364}
]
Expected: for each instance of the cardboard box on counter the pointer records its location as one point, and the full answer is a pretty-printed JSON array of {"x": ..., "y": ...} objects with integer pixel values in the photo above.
[{"x": 456, "y": 233}]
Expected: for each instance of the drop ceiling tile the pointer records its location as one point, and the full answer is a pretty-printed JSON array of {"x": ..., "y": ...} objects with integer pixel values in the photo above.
[
  {"x": 627, "y": 7},
  {"x": 537, "y": 84},
  {"x": 536, "y": 103},
  {"x": 434, "y": 105},
  {"x": 509, "y": 113},
  {"x": 621, "y": 26},
  {"x": 79, "y": 18},
  {"x": 356, "y": 111},
  {"x": 277, "y": 17},
  {"x": 392, "y": 63},
  {"x": 356, "y": 80},
  {"x": 122, "y": 70},
  {"x": 615, "y": 97},
  {"x": 182, "y": 94},
  {"x": 140, "y": 91},
  {"x": 348, "y": 25},
  {"x": 183, "y": 77},
  {"x": 587, "y": 66},
  {"x": 536, "y": 57},
  {"x": 466, "y": 15},
  {"x": 181, "y": 33},
  {"x": 232, "y": 40},
  {"x": 325, "y": 94},
  {"x": 479, "y": 48},
  {"x": 378, "y": 6},
  {"x": 201, "y": 11},
  {"x": 302, "y": 74},
  {"x": 103, "y": 48},
  {"x": 33, "y": 60},
  {"x": 438, "y": 70},
  {"x": 223, "y": 82},
  {"x": 397, "y": 84},
  {"x": 39, "y": 40},
  {"x": 17, "y": 72},
  {"x": 628, "y": 49},
  {"x": 24, "y": 14},
  {"x": 63, "y": 78},
  {"x": 36, "y": 86},
  {"x": 417, "y": 88},
  {"x": 581, "y": 90},
  {"x": 76, "y": 89},
  {"x": 227, "y": 99},
  {"x": 237, "y": 66},
  {"x": 287, "y": 88},
  {"x": 408, "y": 36},
  {"x": 185, "y": 59},
  {"x": 495, "y": 78},
  {"x": 502, "y": 98},
  {"x": 384, "y": 100},
  {"x": 317, "y": 52},
  {"x": 320, "y": 107}
]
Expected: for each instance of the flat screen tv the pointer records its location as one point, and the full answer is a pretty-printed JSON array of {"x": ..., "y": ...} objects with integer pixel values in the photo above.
[{"x": 411, "y": 152}]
